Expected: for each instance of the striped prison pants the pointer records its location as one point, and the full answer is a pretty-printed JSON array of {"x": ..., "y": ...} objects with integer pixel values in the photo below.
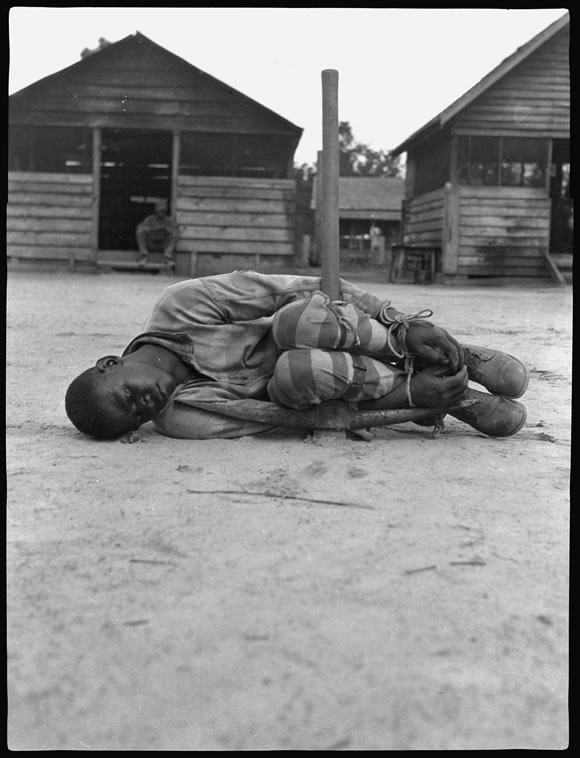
[{"x": 331, "y": 351}]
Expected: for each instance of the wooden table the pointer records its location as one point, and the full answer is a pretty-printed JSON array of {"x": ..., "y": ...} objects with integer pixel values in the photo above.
[{"x": 424, "y": 258}]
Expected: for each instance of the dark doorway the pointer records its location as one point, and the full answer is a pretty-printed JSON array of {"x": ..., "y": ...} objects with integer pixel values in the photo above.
[
  {"x": 135, "y": 172},
  {"x": 561, "y": 228}
]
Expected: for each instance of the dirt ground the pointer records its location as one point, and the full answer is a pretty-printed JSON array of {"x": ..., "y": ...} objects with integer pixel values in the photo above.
[{"x": 185, "y": 595}]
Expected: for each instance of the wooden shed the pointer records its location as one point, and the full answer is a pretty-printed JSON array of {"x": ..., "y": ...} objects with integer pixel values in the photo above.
[
  {"x": 488, "y": 179},
  {"x": 93, "y": 146},
  {"x": 365, "y": 203}
]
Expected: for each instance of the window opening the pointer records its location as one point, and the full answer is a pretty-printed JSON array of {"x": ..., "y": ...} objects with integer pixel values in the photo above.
[
  {"x": 50, "y": 149},
  {"x": 502, "y": 161}
]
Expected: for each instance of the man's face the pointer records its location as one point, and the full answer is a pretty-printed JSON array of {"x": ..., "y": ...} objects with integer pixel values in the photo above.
[
  {"x": 161, "y": 209},
  {"x": 132, "y": 393}
]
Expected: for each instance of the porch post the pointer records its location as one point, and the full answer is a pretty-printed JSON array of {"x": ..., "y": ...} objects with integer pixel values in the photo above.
[
  {"x": 96, "y": 198},
  {"x": 175, "y": 160},
  {"x": 450, "y": 240},
  {"x": 186, "y": 267}
]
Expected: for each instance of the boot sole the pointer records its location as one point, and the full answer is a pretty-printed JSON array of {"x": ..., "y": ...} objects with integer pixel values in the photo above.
[
  {"x": 524, "y": 386},
  {"x": 513, "y": 431},
  {"x": 517, "y": 429},
  {"x": 526, "y": 381}
]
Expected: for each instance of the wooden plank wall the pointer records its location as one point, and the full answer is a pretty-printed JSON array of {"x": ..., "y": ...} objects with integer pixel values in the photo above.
[
  {"x": 503, "y": 231},
  {"x": 137, "y": 84},
  {"x": 534, "y": 98},
  {"x": 229, "y": 223},
  {"x": 423, "y": 222},
  {"x": 49, "y": 217}
]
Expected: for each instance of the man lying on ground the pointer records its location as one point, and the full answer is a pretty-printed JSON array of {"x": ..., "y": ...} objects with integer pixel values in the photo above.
[{"x": 247, "y": 335}]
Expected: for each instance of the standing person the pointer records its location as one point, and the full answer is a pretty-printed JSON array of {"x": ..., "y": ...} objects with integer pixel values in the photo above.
[
  {"x": 157, "y": 233},
  {"x": 250, "y": 336},
  {"x": 376, "y": 235}
]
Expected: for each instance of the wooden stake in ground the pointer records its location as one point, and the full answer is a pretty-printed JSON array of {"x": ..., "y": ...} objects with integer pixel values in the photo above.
[{"x": 329, "y": 243}]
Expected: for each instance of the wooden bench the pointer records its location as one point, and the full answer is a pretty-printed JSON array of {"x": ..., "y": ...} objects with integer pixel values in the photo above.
[{"x": 422, "y": 259}]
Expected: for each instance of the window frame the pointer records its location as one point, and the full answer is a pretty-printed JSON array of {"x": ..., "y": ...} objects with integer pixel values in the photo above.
[
  {"x": 268, "y": 166},
  {"x": 464, "y": 170},
  {"x": 36, "y": 154}
]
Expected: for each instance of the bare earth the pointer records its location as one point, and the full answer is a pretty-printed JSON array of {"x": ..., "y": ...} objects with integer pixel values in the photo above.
[{"x": 187, "y": 595}]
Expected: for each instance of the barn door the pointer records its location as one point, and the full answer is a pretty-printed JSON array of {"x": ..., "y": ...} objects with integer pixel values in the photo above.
[
  {"x": 561, "y": 231},
  {"x": 135, "y": 170}
]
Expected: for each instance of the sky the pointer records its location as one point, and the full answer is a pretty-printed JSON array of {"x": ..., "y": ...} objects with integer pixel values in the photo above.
[{"x": 397, "y": 67}]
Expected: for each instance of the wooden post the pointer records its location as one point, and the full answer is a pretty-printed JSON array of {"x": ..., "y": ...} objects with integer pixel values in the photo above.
[
  {"x": 329, "y": 186},
  {"x": 175, "y": 161},
  {"x": 96, "y": 198},
  {"x": 327, "y": 181},
  {"x": 450, "y": 241}
]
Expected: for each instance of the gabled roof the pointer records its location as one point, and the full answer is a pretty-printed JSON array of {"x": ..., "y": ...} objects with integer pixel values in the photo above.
[
  {"x": 141, "y": 40},
  {"x": 369, "y": 197},
  {"x": 507, "y": 65}
]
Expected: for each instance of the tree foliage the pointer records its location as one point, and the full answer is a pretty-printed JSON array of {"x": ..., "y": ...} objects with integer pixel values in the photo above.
[
  {"x": 355, "y": 159},
  {"x": 89, "y": 51},
  {"x": 358, "y": 159}
]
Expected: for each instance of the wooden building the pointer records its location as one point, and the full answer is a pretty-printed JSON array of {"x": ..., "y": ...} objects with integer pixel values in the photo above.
[
  {"x": 93, "y": 146},
  {"x": 364, "y": 203},
  {"x": 488, "y": 179}
]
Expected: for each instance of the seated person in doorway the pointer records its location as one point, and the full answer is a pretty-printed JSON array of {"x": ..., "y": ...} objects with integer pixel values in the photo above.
[
  {"x": 157, "y": 233},
  {"x": 250, "y": 336}
]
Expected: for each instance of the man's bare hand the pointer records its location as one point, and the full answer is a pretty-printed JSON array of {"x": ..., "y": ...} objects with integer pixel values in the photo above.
[
  {"x": 433, "y": 346},
  {"x": 433, "y": 388}
]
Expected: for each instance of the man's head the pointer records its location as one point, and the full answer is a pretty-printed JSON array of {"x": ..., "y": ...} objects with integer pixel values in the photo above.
[
  {"x": 117, "y": 396},
  {"x": 160, "y": 207}
]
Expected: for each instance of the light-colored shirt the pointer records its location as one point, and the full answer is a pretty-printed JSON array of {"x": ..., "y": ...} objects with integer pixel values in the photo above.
[
  {"x": 158, "y": 231},
  {"x": 221, "y": 326}
]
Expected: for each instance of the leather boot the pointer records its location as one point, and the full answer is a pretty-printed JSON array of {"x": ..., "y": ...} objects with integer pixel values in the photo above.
[
  {"x": 493, "y": 415},
  {"x": 498, "y": 372}
]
